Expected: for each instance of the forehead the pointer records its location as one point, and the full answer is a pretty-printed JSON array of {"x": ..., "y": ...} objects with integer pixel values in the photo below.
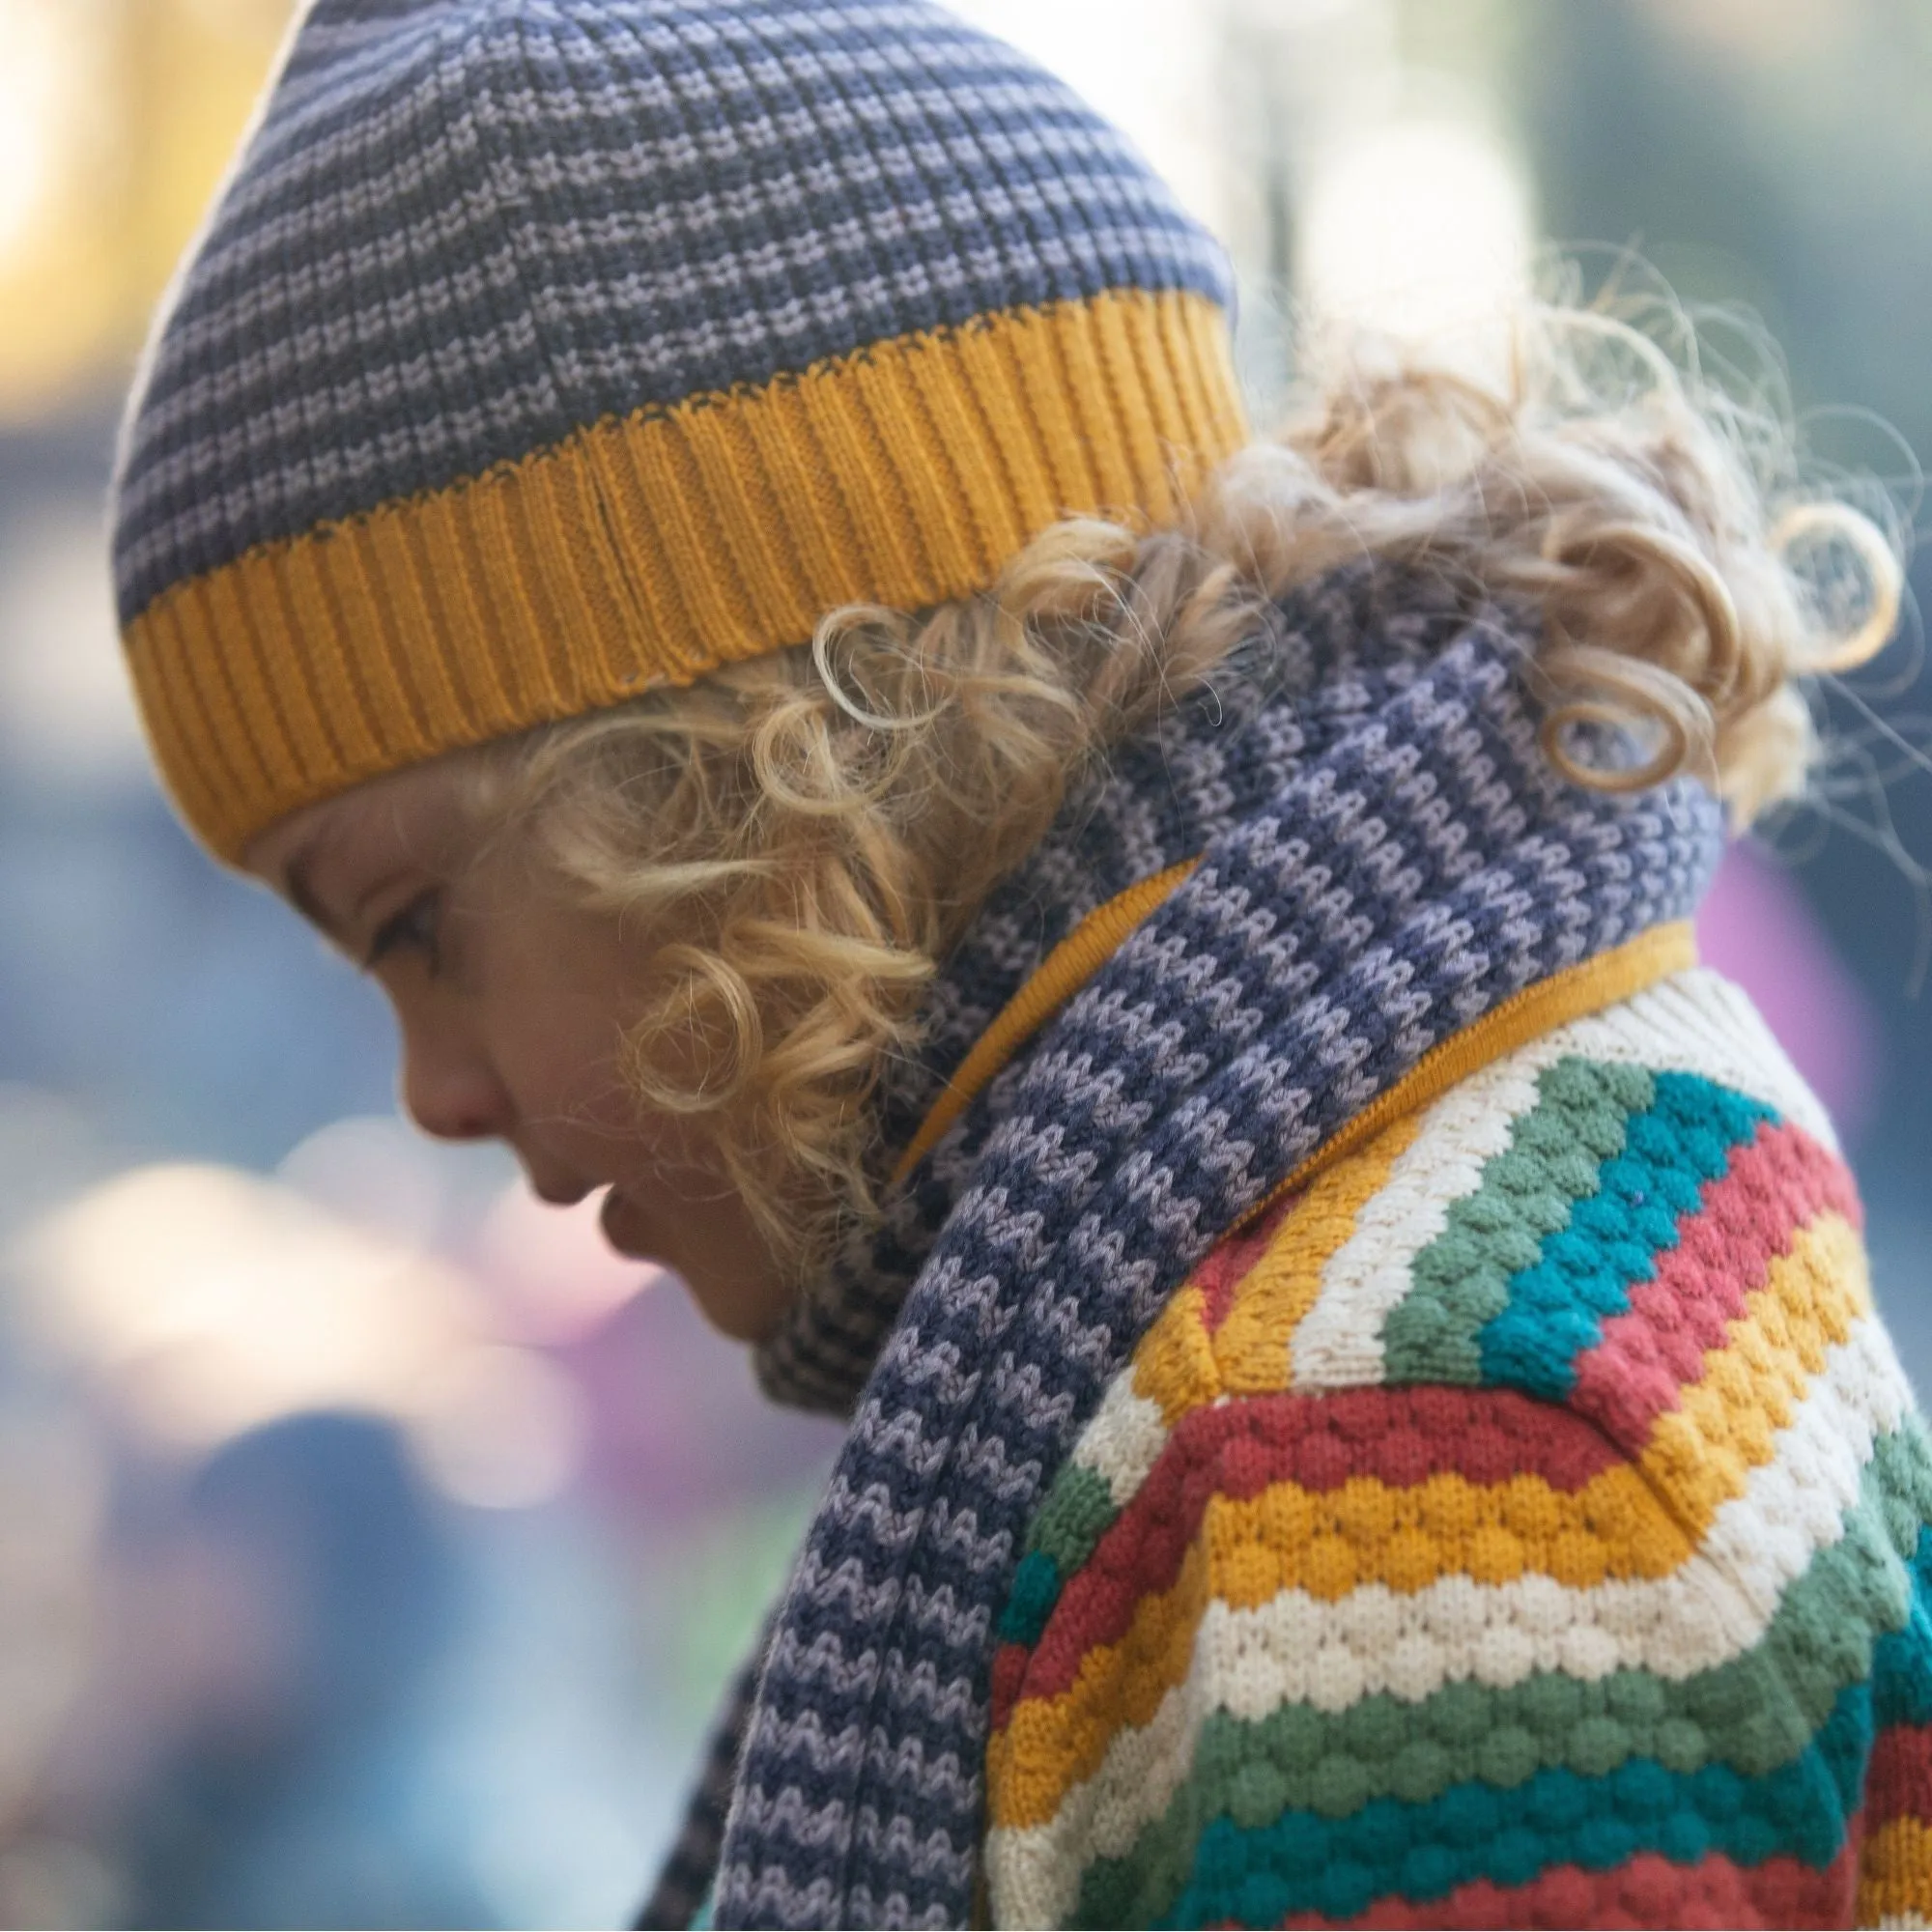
[{"x": 400, "y": 817}]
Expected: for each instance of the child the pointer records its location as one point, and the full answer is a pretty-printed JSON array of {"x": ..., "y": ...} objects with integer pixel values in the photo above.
[{"x": 716, "y": 550}]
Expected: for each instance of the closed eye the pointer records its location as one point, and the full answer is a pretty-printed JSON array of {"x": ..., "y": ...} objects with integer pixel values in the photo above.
[{"x": 411, "y": 929}]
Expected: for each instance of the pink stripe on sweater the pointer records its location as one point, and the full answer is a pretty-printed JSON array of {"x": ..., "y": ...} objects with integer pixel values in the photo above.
[
  {"x": 1647, "y": 1890},
  {"x": 1776, "y": 1183}
]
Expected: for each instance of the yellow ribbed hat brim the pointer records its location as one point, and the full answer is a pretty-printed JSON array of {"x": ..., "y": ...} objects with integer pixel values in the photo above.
[{"x": 653, "y": 549}]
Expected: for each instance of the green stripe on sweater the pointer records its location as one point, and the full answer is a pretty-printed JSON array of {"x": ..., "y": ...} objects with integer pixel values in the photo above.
[
  {"x": 1461, "y": 1280},
  {"x": 1752, "y": 1714}
]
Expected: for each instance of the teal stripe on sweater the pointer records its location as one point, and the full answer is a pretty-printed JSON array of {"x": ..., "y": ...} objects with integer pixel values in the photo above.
[
  {"x": 1339, "y": 1868},
  {"x": 1752, "y": 1714},
  {"x": 1644, "y": 1195},
  {"x": 1592, "y": 1186},
  {"x": 1902, "y": 1669},
  {"x": 1461, "y": 1280}
]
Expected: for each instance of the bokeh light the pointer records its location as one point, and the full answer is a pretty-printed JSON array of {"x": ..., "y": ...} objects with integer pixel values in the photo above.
[
  {"x": 212, "y": 1301},
  {"x": 67, "y": 716},
  {"x": 42, "y": 69},
  {"x": 1419, "y": 229}
]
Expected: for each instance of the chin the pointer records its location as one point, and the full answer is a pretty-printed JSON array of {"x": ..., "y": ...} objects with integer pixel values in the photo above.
[
  {"x": 737, "y": 1293},
  {"x": 737, "y": 1313}
]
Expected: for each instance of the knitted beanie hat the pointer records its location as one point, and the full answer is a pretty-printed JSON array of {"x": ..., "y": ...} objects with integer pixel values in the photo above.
[{"x": 539, "y": 352}]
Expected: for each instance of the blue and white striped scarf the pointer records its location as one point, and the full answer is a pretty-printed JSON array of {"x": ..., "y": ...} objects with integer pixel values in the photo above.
[{"x": 1385, "y": 856}]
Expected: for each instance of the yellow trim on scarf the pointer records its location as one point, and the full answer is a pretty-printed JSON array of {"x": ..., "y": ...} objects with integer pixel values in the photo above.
[
  {"x": 1573, "y": 994},
  {"x": 1058, "y": 977},
  {"x": 650, "y": 549}
]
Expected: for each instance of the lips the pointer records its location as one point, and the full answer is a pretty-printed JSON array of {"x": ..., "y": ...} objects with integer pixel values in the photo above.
[
  {"x": 611, "y": 1217},
  {"x": 555, "y": 1185}
]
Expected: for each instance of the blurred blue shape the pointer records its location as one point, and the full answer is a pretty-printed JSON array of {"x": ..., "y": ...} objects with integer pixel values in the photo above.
[{"x": 286, "y": 1798}]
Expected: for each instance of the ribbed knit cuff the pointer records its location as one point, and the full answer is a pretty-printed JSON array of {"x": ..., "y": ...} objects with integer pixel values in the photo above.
[{"x": 652, "y": 549}]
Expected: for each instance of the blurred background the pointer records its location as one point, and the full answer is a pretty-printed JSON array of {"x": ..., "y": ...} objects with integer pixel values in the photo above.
[{"x": 372, "y": 1543}]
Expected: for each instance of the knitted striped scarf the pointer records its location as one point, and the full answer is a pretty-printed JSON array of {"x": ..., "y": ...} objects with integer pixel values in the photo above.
[{"x": 1385, "y": 855}]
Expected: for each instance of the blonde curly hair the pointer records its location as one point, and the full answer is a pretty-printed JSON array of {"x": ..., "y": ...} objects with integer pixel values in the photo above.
[{"x": 811, "y": 830}]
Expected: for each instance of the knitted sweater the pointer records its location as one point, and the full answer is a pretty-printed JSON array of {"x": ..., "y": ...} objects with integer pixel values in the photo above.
[
  {"x": 1522, "y": 1523},
  {"x": 1379, "y": 862}
]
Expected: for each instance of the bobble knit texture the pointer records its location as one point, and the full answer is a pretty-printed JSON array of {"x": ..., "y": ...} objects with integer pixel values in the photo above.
[
  {"x": 1385, "y": 858},
  {"x": 1523, "y": 1525},
  {"x": 542, "y": 351}
]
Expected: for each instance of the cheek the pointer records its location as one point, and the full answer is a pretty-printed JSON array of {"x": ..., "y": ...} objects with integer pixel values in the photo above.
[
  {"x": 559, "y": 1049},
  {"x": 551, "y": 1002},
  {"x": 565, "y": 1076},
  {"x": 558, "y": 999}
]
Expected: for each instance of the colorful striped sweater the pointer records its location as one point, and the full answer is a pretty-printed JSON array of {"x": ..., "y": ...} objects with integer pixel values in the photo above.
[
  {"x": 1522, "y": 1522},
  {"x": 1512, "y": 1517}
]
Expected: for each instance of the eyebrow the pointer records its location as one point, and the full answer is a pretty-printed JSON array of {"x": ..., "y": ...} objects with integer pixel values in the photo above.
[{"x": 300, "y": 878}]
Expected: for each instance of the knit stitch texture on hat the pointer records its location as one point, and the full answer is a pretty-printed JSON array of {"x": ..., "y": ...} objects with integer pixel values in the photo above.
[
  {"x": 1385, "y": 856},
  {"x": 541, "y": 350}
]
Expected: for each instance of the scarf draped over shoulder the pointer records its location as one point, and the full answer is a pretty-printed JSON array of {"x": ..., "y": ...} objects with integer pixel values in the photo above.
[{"x": 1384, "y": 856}]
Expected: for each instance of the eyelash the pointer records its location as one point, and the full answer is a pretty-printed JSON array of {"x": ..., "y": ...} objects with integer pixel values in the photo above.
[{"x": 414, "y": 930}]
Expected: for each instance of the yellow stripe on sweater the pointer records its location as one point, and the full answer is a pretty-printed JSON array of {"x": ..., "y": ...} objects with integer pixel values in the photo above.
[
  {"x": 1896, "y": 1874},
  {"x": 1253, "y": 1347},
  {"x": 1179, "y": 1366},
  {"x": 1700, "y": 1453},
  {"x": 1250, "y": 1550},
  {"x": 1174, "y": 1368},
  {"x": 1636, "y": 1521}
]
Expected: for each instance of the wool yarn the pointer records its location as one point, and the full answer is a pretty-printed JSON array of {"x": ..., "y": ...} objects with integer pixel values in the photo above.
[
  {"x": 539, "y": 352},
  {"x": 1525, "y": 1523},
  {"x": 1384, "y": 857}
]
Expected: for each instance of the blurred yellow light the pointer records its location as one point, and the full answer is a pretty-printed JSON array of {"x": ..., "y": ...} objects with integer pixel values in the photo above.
[
  {"x": 1765, "y": 30},
  {"x": 214, "y": 1300},
  {"x": 116, "y": 119},
  {"x": 207, "y": 1301},
  {"x": 1419, "y": 230},
  {"x": 39, "y": 76}
]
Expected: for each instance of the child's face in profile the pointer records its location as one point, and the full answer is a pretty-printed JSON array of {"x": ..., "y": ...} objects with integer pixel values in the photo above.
[{"x": 510, "y": 1004}]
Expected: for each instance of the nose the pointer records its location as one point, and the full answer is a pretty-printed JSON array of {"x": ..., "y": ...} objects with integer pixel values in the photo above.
[{"x": 448, "y": 1087}]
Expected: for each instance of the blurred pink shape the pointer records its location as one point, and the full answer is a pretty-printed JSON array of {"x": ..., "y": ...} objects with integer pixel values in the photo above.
[
  {"x": 552, "y": 1270},
  {"x": 677, "y": 1426},
  {"x": 1756, "y": 928}
]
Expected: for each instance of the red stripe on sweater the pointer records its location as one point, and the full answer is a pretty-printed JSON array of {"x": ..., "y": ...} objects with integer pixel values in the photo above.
[
  {"x": 1646, "y": 1890},
  {"x": 1776, "y": 1185},
  {"x": 1010, "y": 1663},
  {"x": 1899, "y": 1783},
  {"x": 1399, "y": 1437},
  {"x": 1232, "y": 1258}
]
